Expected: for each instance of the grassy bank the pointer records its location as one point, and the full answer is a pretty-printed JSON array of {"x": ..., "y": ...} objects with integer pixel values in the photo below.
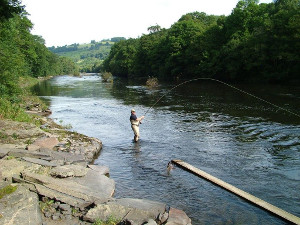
[{"x": 13, "y": 107}]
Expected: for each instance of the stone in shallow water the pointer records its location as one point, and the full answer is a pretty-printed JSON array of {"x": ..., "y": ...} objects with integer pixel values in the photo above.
[{"x": 178, "y": 217}]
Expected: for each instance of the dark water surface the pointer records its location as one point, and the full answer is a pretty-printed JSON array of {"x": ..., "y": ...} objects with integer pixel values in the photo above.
[{"x": 230, "y": 135}]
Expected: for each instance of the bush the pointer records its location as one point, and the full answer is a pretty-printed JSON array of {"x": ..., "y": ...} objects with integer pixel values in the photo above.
[
  {"x": 107, "y": 77},
  {"x": 152, "y": 82}
]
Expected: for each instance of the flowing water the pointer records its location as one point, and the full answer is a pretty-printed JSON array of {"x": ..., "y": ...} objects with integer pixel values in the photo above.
[{"x": 230, "y": 135}]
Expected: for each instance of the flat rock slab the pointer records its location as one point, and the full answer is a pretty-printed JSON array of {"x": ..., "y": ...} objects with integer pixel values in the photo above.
[
  {"x": 70, "y": 200},
  {"x": 20, "y": 208},
  {"x": 24, "y": 153},
  {"x": 138, "y": 211},
  {"x": 100, "y": 169},
  {"x": 46, "y": 142},
  {"x": 9, "y": 168},
  {"x": 40, "y": 162},
  {"x": 65, "y": 156},
  {"x": 69, "y": 171},
  {"x": 90, "y": 189},
  {"x": 98, "y": 184}
]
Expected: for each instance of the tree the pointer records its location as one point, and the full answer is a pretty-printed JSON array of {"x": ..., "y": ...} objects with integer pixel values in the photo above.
[
  {"x": 10, "y": 7},
  {"x": 154, "y": 29}
]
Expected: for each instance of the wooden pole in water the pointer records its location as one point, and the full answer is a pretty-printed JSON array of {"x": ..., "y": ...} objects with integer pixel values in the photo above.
[{"x": 257, "y": 201}]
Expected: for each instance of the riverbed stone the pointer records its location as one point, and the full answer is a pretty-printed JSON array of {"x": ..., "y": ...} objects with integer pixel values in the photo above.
[
  {"x": 20, "y": 208},
  {"x": 69, "y": 171}
]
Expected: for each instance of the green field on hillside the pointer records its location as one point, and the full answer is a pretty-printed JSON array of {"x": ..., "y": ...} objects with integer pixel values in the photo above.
[{"x": 88, "y": 56}]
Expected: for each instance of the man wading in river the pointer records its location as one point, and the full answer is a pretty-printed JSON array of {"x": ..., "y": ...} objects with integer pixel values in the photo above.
[{"x": 135, "y": 122}]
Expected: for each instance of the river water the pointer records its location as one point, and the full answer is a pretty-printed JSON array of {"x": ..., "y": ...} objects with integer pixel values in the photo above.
[{"x": 233, "y": 136}]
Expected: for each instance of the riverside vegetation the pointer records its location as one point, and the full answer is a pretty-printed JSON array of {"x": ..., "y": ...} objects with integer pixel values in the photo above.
[{"x": 255, "y": 43}]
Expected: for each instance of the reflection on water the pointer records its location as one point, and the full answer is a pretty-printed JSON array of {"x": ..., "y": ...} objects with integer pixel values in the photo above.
[{"x": 232, "y": 136}]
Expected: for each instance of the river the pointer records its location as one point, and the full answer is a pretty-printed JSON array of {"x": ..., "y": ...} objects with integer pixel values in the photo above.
[{"x": 231, "y": 135}]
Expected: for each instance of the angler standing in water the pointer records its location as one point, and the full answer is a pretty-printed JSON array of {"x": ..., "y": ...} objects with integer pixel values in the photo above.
[{"x": 135, "y": 122}]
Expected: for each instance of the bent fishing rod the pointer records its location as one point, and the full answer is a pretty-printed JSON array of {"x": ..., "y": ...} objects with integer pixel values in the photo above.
[{"x": 229, "y": 85}]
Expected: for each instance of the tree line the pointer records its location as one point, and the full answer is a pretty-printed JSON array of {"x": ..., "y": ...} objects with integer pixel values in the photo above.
[
  {"x": 256, "y": 42},
  {"x": 23, "y": 54}
]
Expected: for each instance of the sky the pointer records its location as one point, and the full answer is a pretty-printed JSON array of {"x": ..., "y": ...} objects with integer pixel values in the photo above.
[{"x": 64, "y": 22}]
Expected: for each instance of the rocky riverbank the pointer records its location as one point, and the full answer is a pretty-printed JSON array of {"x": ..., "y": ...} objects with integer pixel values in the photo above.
[{"x": 47, "y": 176}]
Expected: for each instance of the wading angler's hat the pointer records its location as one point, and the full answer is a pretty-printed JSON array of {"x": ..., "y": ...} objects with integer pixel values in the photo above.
[{"x": 132, "y": 110}]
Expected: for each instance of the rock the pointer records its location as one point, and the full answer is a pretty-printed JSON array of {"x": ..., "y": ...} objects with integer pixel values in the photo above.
[
  {"x": 151, "y": 222},
  {"x": 11, "y": 167},
  {"x": 81, "y": 188},
  {"x": 3, "y": 152},
  {"x": 65, "y": 207},
  {"x": 66, "y": 156},
  {"x": 178, "y": 217},
  {"x": 100, "y": 185},
  {"x": 48, "y": 143},
  {"x": 69, "y": 171},
  {"x": 33, "y": 147},
  {"x": 163, "y": 217},
  {"x": 40, "y": 162},
  {"x": 101, "y": 169},
  {"x": 70, "y": 200},
  {"x": 138, "y": 211},
  {"x": 24, "y": 153},
  {"x": 20, "y": 208}
]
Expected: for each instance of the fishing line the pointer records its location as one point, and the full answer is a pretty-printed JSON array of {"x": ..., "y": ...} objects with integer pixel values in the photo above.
[{"x": 229, "y": 85}]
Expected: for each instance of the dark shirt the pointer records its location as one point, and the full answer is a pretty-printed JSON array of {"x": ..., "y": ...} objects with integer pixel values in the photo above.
[{"x": 133, "y": 117}]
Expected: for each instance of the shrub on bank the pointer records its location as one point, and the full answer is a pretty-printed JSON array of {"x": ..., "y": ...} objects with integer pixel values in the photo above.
[{"x": 152, "y": 82}]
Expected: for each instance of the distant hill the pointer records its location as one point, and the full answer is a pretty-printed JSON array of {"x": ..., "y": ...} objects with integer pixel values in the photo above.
[{"x": 87, "y": 56}]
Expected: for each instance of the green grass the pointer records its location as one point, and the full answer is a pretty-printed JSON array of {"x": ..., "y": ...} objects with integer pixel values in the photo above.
[
  {"x": 13, "y": 107},
  {"x": 110, "y": 221},
  {"x": 87, "y": 57},
  {"x": 7, "y": 190},
  {"x": 13, "y": 111}
]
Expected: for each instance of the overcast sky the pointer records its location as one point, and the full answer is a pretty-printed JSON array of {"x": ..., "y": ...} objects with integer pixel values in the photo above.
[{"x": 64, "y": 22}]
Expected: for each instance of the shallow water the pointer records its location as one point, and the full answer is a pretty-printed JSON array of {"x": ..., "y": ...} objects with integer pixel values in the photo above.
[{"x": 233, "y": 136}]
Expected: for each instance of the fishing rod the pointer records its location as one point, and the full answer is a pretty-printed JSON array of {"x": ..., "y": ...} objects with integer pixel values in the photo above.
[{"x": 229, "y": 85}]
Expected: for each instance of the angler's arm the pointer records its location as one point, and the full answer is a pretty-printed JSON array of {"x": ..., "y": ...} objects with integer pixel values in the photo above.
[{"x": 140, "y": 118}]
